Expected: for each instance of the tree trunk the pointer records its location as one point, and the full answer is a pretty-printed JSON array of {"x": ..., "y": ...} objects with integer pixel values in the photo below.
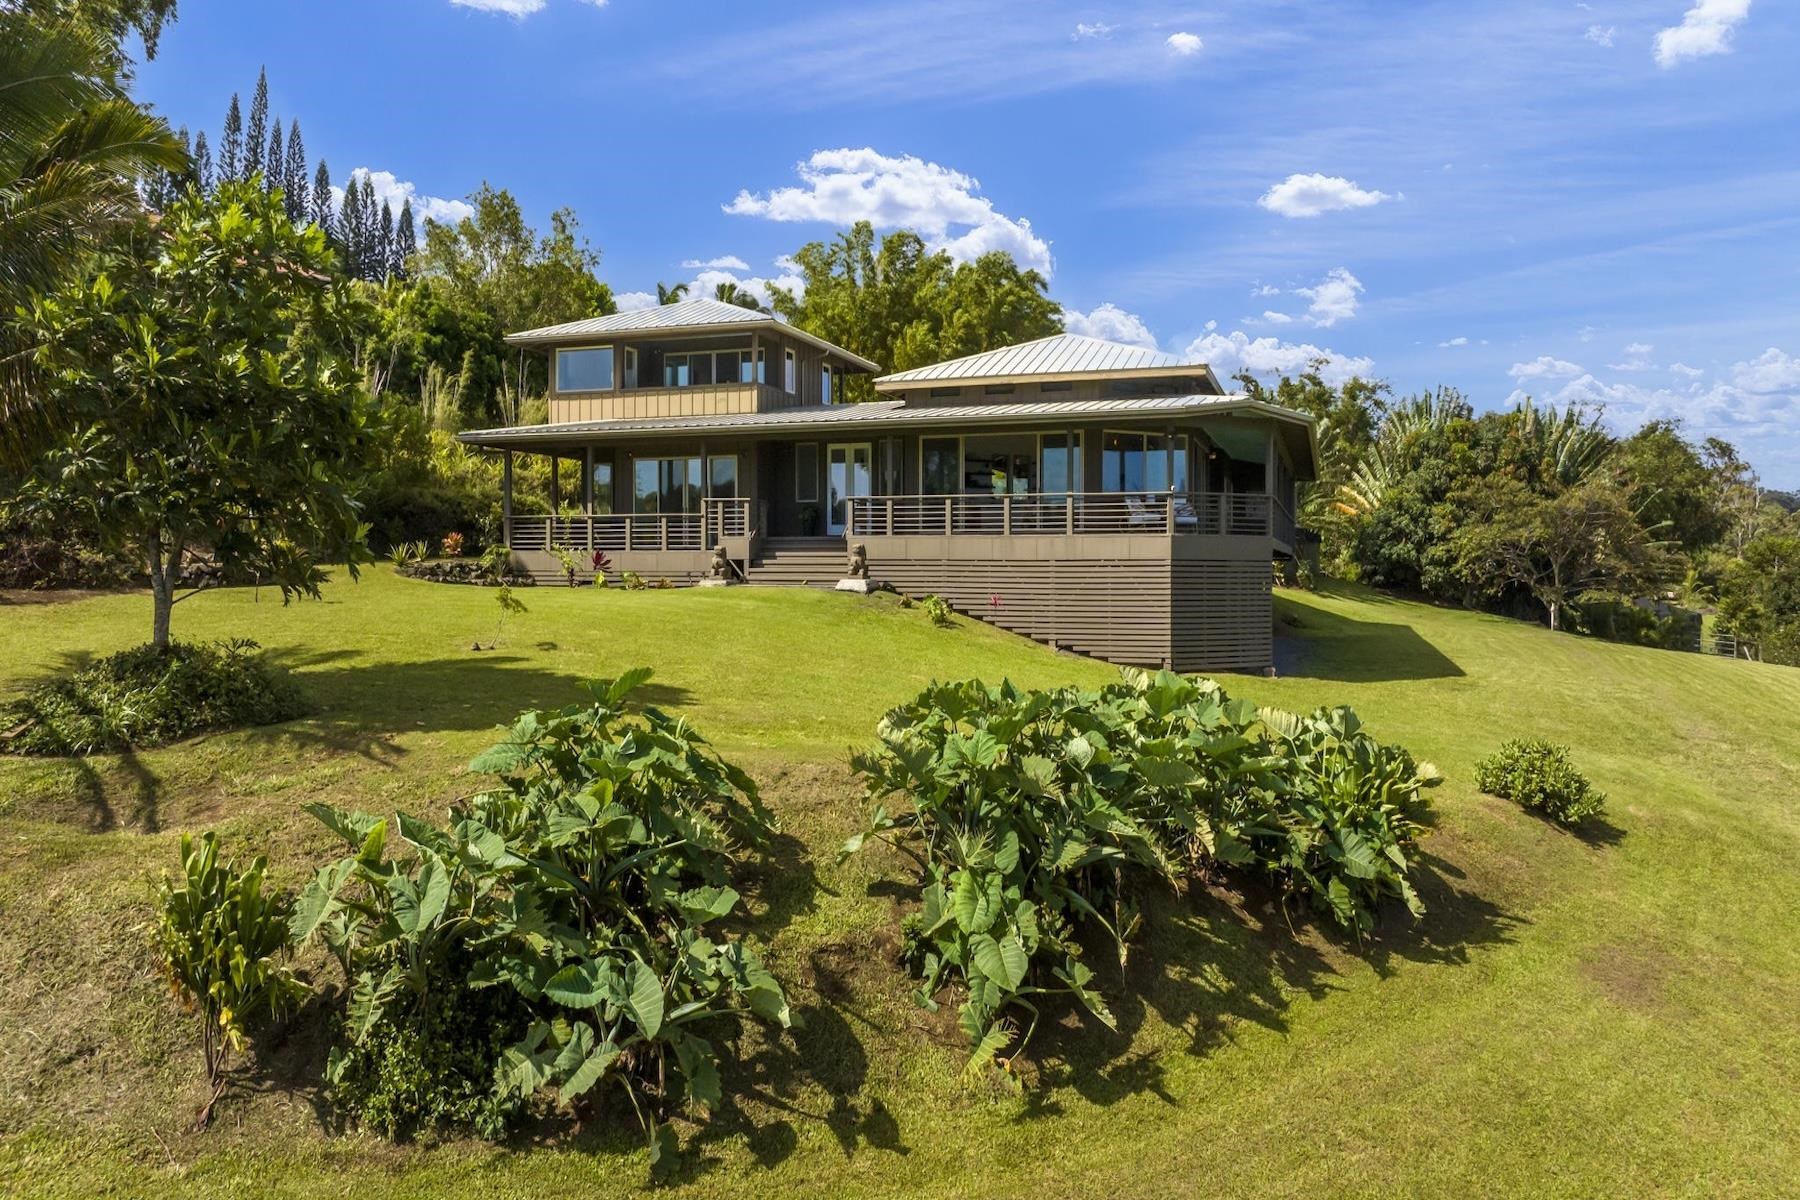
[{"x": 163, "y": 566}]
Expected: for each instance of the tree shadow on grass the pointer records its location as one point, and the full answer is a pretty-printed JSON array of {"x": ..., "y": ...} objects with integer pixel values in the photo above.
[
  {"x": 1315, "y": 643},
  {"x": 289, "y": 1058}
]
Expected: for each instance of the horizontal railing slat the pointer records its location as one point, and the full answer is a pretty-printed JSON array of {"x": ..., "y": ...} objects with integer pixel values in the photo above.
[{"x": 1235, "y": 513}]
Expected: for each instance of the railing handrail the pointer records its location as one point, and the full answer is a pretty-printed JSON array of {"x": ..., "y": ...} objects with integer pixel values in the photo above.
[{"x": 1148, "y": 512}]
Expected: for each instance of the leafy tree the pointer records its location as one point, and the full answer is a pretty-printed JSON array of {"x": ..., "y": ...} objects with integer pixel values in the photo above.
[
  {"x": 231, "y": 144},
  {"x": 73, "y": 147},
  {"x": 1585, "y": 540},
  {"x": 1673, "y": 487},
  {"x": 666, "y": 294},
  {"x": 1759, "y": 597},
  {"x": 207, "y": 364},
  {"x": 111, "y": 22},
  {"x": 904, "y": 306},
  {"x": 256, "y": 131}
]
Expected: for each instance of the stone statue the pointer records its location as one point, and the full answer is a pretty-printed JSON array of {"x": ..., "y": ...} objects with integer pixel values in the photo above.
[
  {"x": 859, "y": 562},
  {"x": 721, "y": 567}
]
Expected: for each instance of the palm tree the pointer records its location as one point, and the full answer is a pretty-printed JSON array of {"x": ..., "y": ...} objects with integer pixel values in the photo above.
[
  {"x": 72, "y": 147},
  {"x": 730, "y": 293},
  {"x": 671, "y": 295}
]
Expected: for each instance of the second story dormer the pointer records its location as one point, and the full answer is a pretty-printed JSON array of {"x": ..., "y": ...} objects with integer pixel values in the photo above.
[{"x": 698, "y": 358}]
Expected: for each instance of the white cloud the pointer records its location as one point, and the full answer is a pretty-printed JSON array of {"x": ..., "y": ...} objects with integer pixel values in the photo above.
[
  {"x": 1455, "y": 341},
  {"x": 725, "y": 262},
  {"x": 1586, "y": 333},
  {"x": 1684, "y": 369},
  {"x": 1099, "y": 29},
  {"x": 846, "y": 185},
  {"x": 1276, "y": 318},
  {"x": 1111, "y": 322},
  {"x": 512, "y": 8},
  {"x": 1185, "y": 44},
  {"x": 1544, "y": 367},
  {"x": 1601, "y": 35},
  {"x": 1705, "y": 29},
  {"x": 398, "y": 191},
  {"x": 632, "y": 301},
  {"x": 1771, "y": 371},
  {"x": 1333, "y": 298},
  {"x": 1639, "y": 348},
  {"x": 1310, "y": 195},
  {"x": 1236, "y": 351},
  {"x": 1267, "y": 289}
]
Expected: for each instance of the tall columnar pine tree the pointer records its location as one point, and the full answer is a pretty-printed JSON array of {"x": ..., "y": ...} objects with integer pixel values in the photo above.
[
  {"x": 350, "y": 226},
  {"x": 385, "y": 258},
  {"x": 256, "y": 133},
  {"x": 231, "y": 144},
  {"x": 321, "y": 201},
  {"x": 369, "y": 236},
  {"x": 405, "y": 240},
  {"x": 203, "y": 164},
  {"x": 276, "y": 162},
  {"x": 214, "y": 407},
  {"x": 294, "y": 178}
]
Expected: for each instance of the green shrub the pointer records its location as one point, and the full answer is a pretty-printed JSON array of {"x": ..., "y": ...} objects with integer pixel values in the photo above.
[
  {"x": 150, "y": 697},
  {"x": 937, "y": 610},
  {"x": 1538, "y": 775},
  {"x": 572, "y": 898},
  {"x": 223, "y": 940},
  {"x": 633, "y": 581},
  {"x": 1039, "y": 817}
]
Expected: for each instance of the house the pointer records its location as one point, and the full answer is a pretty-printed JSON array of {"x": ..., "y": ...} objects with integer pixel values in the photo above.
[{"x": 1103, "y": 498}]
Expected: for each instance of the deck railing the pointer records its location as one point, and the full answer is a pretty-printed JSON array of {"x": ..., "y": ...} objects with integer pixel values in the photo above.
[
  {"x": 718, "y": 518},
  {"x": 1166, "y": 513}
]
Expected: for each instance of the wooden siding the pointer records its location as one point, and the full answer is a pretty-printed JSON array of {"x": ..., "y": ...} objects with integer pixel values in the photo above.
[{"x": 706, "y": 400}]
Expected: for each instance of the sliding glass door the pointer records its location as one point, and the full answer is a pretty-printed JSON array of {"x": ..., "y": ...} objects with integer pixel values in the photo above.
[{"x": 849, "y": 472}]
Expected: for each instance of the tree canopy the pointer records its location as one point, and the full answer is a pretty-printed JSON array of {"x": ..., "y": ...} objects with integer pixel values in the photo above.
[{"x": 208, "y": 366}]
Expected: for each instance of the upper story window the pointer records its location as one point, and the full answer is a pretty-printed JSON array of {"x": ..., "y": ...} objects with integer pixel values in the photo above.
[
  {"x": 945, "y": 393},
  {"x": 791, "y": 377},
  {"x": 589, "y": 369},
  {"x": 825, "y": 396},
  {"x": 998, "y": 389},
  {"x": 1057, "y": 386},
  {"x": 697, "y": 368}
]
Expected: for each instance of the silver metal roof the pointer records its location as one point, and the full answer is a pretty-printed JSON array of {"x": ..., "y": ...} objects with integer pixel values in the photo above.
[
  {"x": 877, "y": 413},
  {"x": 701, "y": 315},
  {"x": 1061, "y": 354}
]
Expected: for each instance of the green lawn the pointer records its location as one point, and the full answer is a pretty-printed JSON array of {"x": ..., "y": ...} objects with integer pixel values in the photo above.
[{"x": 1616, "y": 1014}]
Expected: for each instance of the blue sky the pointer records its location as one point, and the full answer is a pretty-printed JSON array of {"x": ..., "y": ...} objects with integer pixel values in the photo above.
[{"x": 1591, "y": 201}]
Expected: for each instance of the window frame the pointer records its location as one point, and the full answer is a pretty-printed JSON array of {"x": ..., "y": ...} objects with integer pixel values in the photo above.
[
  {"x": 790, "y": 373},
  {"x": 806, "y": 483},
  {"x": 612, "y": 377}
]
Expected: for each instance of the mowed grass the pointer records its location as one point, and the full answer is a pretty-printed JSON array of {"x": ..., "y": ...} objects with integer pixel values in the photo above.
[{"x": 1612, "y": 1014}]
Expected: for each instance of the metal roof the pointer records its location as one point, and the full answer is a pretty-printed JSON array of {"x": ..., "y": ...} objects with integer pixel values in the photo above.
[
  {"x": 702, "y": 315},
  {"x": 1063, "y": 354},
  {"x": 880, "y": 412}
]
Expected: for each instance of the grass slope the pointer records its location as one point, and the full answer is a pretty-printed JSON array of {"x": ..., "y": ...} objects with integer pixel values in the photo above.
[{"x": 1618, "y": 1014}]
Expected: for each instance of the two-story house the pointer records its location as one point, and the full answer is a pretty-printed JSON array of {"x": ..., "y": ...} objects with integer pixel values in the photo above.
[{"x": 1103, "y": 498}]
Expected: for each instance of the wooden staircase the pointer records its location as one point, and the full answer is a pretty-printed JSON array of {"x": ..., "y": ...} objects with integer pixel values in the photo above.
[{"x": 798, "y": 562}]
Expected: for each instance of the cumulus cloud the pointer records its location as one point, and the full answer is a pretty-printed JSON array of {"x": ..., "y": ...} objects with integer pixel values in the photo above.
[
  {"x": 1685, "y": 370},
  {"x": 1111, "y": 322},
  {"x": 725, "y": 262},
  {"x": 1544, "y": 367},
  {"x": 1601, "y": 35},
  {"x": 1229, "y": 353},
  {"x": 1705, "y": 29},
  {"x": 1332, "y": 299},
  {"x": 512, "y": 8},
  {"x": 1455, "y": 341},
  {"x": 398, "y": 191},
  {"x": 1099, "y": 29},
  {"x": 1185, "y": 44},
  {"x": 1770, "y": 371},
  {"x": 1267, "y": 289},
  {"x": 1276, "y": 318},
  {"x": 842, "y": 186},
  {"x": 632, "y": 301},
  {"x": 1311, "y": 195}
]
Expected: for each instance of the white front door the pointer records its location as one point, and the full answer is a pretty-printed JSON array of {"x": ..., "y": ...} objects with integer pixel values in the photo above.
[{"x": 849, "y": 472}]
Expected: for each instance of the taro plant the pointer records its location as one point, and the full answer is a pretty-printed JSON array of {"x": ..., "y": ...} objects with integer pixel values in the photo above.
[
  {"x": 937, "y": 611},
  {"x": 583, "y": 895},
  {"x": 1538, "y": 775},
  {"x": 1039, "y": 818},
  {"x": 222, "y": 938}
]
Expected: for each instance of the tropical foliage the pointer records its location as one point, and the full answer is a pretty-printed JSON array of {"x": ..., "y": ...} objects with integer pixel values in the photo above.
[
  {"x": 1537, "y": 774},
  {"x": 206, "y": 366},
  {"x": 579, "y": 902},
  {"x": 149, "y": 697},
  {"x": 1039, "y": 819},
  {"x": 223, "y": 940}
]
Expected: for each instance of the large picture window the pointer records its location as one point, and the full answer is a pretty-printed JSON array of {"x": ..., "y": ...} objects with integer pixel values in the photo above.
[
  {"x": 806, "y": 473},
  {"x": 602, "y": 490},
  {"x": 1140, "y": 462},
  {"x": 665, "y": 485},
  {"x": 1059, "y": 462},
  {"x": 586, "y": 370},
  {"x": 722, "y": 476},
  {"x": 940, "y": 466},
  {"x": 697, "y": 368}
]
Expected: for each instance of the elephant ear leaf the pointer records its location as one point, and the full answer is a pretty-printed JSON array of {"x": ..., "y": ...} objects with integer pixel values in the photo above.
[
  {"x": 707, "y": 904},
  {"x": 645, "y": 1000},
  {"x": 318, "y": 900}
]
